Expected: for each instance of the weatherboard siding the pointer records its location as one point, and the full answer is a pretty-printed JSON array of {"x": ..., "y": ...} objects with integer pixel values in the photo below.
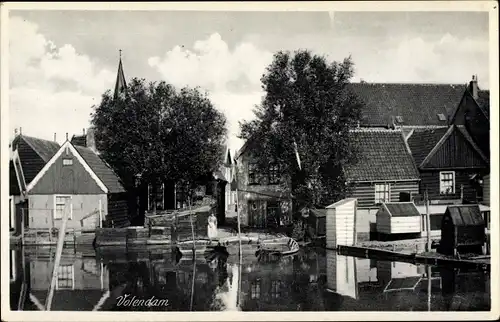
[
  {"x": 455, "y": 152},
  {"x": 430, "y": 181},
  {"x": 41, "y": 211},
  {"x": 66, "y": 179},
  {"x": 403, "y": 225},
  {"x": 469, "y": 114},
  {"x": 365, "y": 192}
]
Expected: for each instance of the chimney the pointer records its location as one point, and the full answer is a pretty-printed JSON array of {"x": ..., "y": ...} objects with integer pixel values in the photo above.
[
  {"x": 83, "y": 131},
  {"x": 473, "y": 89},
  {"x": 20, "y": 131},
  {"x": 15, "y": 131},
  {"x": 91, "y": 140},
  {"x": 66, "y": 136},
  {"x": 55, "y": 137}
]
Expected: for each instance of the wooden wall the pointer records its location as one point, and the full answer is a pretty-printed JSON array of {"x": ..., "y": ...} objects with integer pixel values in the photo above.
[
  {"x": 340, "y": 224},
  {"x": 118, "y": 212},
  {"x": 430, "y": 181},
  {"x": 486, "y": 190},
  {"x": 476, "y": 123},
  {"x": 341, "y": 274},
  {"x": 456, "y": 152},
  {"x": 66, "y": 179},
  {"x": 41, "y": 210},
  {"x": 365, "y": 192}
]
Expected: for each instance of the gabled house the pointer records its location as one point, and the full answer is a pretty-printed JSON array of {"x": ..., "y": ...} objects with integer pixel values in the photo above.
[
  {"x": 383, "y": 172},
  {"x": 77, "y": 181},
  {"x": 473, "y": 113},
  {"x": 264, "y": 199},
  {"x": 450, "y": 164},
  {"x": 29, "y": 156}
]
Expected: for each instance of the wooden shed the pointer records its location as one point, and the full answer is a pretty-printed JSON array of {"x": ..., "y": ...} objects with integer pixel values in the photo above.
[
  {"x": 462, "y": 230},
  {"x": 398, "y": 219},
  {"x": 316, "y": 222},
  {"x": 340, "y": 223}
]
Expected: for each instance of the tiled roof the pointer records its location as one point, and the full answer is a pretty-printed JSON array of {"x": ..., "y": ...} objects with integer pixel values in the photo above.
[
  {"x": 13, "y": 184},
  {"x": 416, "y": 104},
  {"x": 421, "y": 142},
  {"x": 34, "y": 154},
  {"x": 318, "y": 212},
  {"x": 80, "y": 140},
  {"x": 402, "y": 209},
  {"x": 101, "y": 169},
  {"x": 382, "y": 155},
  {"x": 44, "y": 148}
]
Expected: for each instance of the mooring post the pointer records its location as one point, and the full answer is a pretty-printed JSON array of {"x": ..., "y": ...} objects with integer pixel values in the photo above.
[{"x": 59, "y": 249}]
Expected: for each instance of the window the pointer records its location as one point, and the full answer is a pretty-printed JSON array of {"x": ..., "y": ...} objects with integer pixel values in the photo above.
[
  {"x": 382, "y": 193},
  {"x": 447, "y": 182},
  {"x": 67, "y": 161},
  {"x": 399, "y": 118},
  {"x": 252, "y": 174},
  {"x": 441, "y": 117},
  {"x": 255, "y": 294},
  {"x": 62, "y": 204},
  {"x": 156, "y": 197},
  {"x": 65, "y": 277},
  {"x": 275, "y": 289},
  {"x": 274, "y": 177}
]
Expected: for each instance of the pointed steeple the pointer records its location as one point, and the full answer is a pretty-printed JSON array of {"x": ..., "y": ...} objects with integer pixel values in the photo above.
[{"x": 121, "y": 84}]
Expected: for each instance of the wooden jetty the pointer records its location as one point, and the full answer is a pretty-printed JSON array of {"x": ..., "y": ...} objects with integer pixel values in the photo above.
[{"x": 425, "y": 258}]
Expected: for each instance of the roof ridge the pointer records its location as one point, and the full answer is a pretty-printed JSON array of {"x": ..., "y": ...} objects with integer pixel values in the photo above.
[{"x": 408, "y": 83}]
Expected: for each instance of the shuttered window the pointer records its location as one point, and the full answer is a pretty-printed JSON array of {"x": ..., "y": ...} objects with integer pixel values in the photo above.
[{"x": 62, "y": 204}]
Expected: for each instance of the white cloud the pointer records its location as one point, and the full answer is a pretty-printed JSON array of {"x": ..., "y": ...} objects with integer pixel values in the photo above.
[
  {"x": 448, "y": 59},
  {"x": 212, "y": 66},
  {"x": 52, "y": 88}
]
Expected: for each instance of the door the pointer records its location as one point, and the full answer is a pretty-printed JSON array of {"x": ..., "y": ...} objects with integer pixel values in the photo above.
[
  {"x": 273, "y": 214},
  {"x": 256, "y": 214}
]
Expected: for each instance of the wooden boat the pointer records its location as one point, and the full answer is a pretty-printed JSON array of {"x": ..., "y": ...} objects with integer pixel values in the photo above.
[{"x": 284, "y": 246}]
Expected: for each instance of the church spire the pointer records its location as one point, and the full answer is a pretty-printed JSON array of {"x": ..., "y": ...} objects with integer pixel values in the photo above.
[{"x": 121, "y": 84}]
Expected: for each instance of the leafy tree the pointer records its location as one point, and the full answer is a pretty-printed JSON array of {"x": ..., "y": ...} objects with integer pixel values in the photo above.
[
  {"x": 154, "y": 133},
  {"x": 307, "y": 108}
]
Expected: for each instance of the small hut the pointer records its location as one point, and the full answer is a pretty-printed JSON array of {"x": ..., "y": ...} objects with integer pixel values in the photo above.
[
  {"x": 398, "y": 220},
  {"x": 341, "y": 223},
  {"x": 316, "y": 222},
  {"x": 462, "y": 230}
]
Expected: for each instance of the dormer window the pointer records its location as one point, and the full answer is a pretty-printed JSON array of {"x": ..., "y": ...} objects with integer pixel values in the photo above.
[
  {"x": 399, "y": 118},
  {"x": 441, "y": 117}
]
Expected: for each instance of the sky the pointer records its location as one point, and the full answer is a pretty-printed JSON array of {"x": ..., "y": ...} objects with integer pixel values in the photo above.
[{"x": 60, "y": 62}]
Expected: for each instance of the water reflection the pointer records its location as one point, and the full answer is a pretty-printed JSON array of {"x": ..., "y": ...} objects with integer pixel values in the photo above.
[{"x": 311, "y": 280}]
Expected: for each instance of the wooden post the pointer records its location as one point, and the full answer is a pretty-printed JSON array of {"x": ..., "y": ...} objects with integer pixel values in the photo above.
[
  {"x": 238, "y": 209},
  {"x": 427, "y": 222},
  {"x": 100, "y": 213},
  {"x": 429, "y": 287},
  {"x": 59, "y": 249},
  {"x": 355, "y": 222}
]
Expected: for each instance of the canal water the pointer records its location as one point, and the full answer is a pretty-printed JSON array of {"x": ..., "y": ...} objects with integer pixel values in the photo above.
[{"x": 312, "y": 280}]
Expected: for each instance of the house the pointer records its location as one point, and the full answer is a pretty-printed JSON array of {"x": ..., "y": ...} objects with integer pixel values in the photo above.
[
  {"x": 450, "y": 164},
  {"x": 383, "y": 172},
  {"x": 473, "y": 113},
  {"x": 29, "y": 156},
  {"x": 264, "y": 199},
  {"x": 77, "y": 181}
]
